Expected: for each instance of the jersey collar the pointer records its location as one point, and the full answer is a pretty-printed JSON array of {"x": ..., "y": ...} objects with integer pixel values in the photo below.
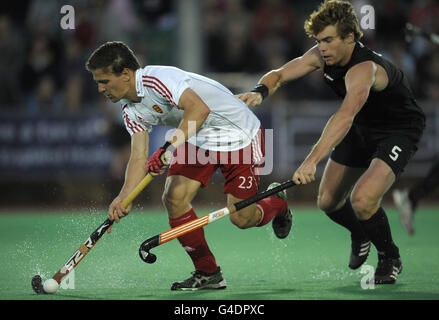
[{"x": 139, "y": 83}]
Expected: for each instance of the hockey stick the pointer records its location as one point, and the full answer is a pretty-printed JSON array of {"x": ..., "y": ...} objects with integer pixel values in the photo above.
[
  {"x": 37, "y": 282},
  {"x": 411, "y": 30},
  {"x": 147, "y": 245}
]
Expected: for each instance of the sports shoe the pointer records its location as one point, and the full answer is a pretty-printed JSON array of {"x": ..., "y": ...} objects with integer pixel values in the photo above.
[
  {"x": 282, "y": 223},
  {"x": 405, "y": 207},
  {"x": 201, "y": 280},
  {"x": 359, "y": 253},
  {"x": 387, "y": 270}
]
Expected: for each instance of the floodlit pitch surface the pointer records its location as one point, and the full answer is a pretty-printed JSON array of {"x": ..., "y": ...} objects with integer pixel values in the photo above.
[{"x": 310, "y": 264}]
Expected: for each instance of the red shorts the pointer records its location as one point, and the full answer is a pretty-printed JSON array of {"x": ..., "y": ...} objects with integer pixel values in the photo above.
[{"x": 239, "y": 168}]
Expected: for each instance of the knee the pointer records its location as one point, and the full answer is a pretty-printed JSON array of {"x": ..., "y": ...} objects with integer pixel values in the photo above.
[
  {"x": 171, "y": 200},
  {"x": 239, "y": 220},
  {"x": 364, "y": 206},
  {"x": 326, "y": 202}
]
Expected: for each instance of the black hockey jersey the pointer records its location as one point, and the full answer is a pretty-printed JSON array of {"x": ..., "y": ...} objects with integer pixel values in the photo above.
[{"x": 393, "y": 109}]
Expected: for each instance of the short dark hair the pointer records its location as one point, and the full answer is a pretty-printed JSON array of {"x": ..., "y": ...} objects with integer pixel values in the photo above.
[
  {"x": 334, "y": 12},
  {"x": 112, "y": 56}
]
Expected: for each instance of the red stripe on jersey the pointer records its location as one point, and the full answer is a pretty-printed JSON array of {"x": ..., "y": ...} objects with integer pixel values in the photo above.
[
  {"x": 133, "y": 126},
  {"x": 160, "y": 83},
  {"x": 138, "y": 126},
  {"x": 158, "y": 88},
  {"x": 161, "y": 93},
  {"x": 128, "y": 123}
]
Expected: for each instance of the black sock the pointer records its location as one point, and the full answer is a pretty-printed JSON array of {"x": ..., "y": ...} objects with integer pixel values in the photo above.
[
  {"x": 425, "y": 186},
  {"x": 377, "y": 229},
  {"x": 345, "y": 216}
]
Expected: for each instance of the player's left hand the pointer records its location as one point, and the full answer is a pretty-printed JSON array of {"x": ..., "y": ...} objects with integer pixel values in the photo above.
[
  {"x": 305, "y": 173},
  {"x": 117, "y": 211}
]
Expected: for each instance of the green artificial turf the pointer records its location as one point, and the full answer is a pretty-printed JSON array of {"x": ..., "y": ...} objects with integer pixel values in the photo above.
[{"x": 311, "y": 264}]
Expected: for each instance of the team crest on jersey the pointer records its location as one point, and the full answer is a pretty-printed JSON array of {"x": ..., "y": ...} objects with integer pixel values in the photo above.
[{"x": 157, "y": 108}]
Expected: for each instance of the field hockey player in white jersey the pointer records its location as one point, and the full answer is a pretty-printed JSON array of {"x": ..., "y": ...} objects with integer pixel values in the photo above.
[{"x": 214, "y": 130}]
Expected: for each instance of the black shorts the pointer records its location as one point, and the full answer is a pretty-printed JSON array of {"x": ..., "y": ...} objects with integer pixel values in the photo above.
[{"x": 359, "y": 147}]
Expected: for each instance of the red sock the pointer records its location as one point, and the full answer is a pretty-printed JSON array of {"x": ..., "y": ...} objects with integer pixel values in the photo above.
[
  {"x": 195, "y": 244},
  {"x": 270, "y": 208}
]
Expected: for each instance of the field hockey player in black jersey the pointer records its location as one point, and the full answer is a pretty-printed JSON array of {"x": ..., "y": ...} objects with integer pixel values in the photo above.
[{"x": 371, "y": 136}]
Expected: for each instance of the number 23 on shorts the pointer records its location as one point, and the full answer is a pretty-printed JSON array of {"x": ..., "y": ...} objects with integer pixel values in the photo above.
[{"x": 246, "y": 182}]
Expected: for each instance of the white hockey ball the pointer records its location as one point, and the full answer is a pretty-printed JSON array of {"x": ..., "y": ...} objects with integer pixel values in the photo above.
[{"x": 50, "y": 286}]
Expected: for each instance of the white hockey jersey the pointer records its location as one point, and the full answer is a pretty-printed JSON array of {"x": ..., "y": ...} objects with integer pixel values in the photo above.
[{"x": 230, "y": 125}]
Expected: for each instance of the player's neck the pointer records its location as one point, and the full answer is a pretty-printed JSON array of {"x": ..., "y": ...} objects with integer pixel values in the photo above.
[
  {"x": 348, "y": 55},
  {"x": 131, "y": 94}
]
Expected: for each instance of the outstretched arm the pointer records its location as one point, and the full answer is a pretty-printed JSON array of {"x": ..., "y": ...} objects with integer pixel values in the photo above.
[
  {"x": 359, "y": 79},
  {"x": 274, "y": 79}
]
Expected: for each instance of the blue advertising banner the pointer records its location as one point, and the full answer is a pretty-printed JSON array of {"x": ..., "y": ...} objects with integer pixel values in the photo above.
[{"x": 54, "y": 145}]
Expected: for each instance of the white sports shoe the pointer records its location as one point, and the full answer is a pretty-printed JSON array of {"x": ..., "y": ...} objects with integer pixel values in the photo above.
[{"x": 405, "y": 207}]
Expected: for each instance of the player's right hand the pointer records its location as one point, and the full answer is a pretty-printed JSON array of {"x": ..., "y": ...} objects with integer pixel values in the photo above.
[
  {"x": 158, "y": 161},
  {"x": 250, "y": 98},
  {"x": 305, "y": 173},
  {"x": 117, "y": 211}
]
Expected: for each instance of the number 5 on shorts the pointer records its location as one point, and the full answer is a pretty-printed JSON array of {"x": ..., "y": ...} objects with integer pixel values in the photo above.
[{"x": 395, "y": 153}]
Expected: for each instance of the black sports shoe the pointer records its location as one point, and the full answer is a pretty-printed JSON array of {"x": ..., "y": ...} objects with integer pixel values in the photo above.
[
  {"x": 282, "y": 223},
  {"x": 387, "y": 270},
  {"x": 359, "y": 252},
  {"x": 201, "y": 280}
]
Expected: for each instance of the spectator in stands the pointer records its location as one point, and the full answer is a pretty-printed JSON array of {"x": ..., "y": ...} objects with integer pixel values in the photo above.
[{"x": 11, "y": 55}]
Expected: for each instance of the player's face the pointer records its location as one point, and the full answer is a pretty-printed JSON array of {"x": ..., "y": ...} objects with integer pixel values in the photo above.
[
  {"x": 112, "y": 86},
  {"x": 333, "y": 49}
]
